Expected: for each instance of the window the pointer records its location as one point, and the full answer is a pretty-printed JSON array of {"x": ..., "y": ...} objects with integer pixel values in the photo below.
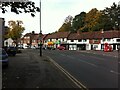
[
  {"x": 62, "y": 39},
  {"x": 84, "y": 40},
  {"x": 72, "y": 40},
  {"x": 28, "y": 42},
  {"x": 33, "y": 41},
  {"x": 80, "y": 40},
  {"x": 108, "y": 39},
  {"x": 118, "y": 40},
  {"x": 96, "y": 40}
]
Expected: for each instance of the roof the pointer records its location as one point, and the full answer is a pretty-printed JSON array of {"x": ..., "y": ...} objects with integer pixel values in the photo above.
[
  {"x": 57, "y": 35},
  {"x": 95, "y": 35},
  {"x": 34, "y": 36}
]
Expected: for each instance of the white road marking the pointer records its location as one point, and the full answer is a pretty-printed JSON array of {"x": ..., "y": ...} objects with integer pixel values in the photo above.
[
  {"x": 90, "y": 63},
  {"x": 114, "y": 72}
]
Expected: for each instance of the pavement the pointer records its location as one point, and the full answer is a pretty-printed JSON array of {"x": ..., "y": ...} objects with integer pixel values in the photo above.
[{"x": 29, "y": 70}]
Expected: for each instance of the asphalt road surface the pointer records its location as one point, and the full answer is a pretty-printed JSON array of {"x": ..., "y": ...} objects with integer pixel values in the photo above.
[
  {"x": 92, "y": 70},
  {"x": 29, "y": 70}
]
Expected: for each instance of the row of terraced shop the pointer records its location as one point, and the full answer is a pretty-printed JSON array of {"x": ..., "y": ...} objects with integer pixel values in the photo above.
[{"x": 83, "y": 40}]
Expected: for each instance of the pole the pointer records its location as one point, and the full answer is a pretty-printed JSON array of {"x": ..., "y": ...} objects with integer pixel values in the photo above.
[
  {"x": 102, "y": 31},
  {"x": 119, "y": 15},
  {"x": 40, "y": 32}
]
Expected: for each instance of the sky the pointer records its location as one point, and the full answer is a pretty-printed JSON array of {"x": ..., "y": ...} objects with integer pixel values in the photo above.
[{"x": 54, "y": 12}]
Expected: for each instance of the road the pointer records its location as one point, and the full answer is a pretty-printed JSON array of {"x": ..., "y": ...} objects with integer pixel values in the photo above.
[
  {"x": 29, "y": 70},
  {"x": 92, "y": 70}
]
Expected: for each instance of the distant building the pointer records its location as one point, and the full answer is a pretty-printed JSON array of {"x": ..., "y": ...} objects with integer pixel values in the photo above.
[
  {"x": 84, "y": 40},
  {"x": 31, "y": 40},
  {"x": 8, "y": 42},
  {"x": 57, "y": 39}
]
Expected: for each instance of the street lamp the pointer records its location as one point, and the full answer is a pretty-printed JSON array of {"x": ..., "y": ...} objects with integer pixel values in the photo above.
[
  {"x": 102, "y": 31},
  {"x": 119, "y": 15},
  {"x": 40, "y": 35}
]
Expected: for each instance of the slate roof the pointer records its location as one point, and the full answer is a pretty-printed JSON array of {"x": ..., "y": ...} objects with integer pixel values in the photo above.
[
  {"x": 95, "y": 35},
  {"x": 57, "y": 35}
]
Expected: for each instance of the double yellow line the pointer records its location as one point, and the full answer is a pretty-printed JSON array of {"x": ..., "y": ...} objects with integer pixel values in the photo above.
[{"x": 73, "y": 79}]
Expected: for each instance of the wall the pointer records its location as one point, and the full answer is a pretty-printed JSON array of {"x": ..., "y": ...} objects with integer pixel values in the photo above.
[{"x": 2, "y": 30}]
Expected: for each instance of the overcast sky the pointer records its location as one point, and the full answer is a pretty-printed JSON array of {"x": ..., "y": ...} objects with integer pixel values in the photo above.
[{"x": 54, "y": 12}]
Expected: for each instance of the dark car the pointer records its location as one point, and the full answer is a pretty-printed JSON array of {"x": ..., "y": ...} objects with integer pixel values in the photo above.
[
  {"x": 11, "y": 51},
  {"x": 3, "y": 57}
]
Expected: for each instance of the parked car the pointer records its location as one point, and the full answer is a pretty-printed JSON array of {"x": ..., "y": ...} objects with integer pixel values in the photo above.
[
  {"x": 11, "y": 51},
  {"x": 50, "y": 48},
  {"x": 3, "y": 57},
  {"x": 19, "y": 50},
  {"x": 61, "y": 48}
]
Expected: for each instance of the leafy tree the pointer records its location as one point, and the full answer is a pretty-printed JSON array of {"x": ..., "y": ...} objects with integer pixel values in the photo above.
[
  {"x": 91, "y": 20},
  {"x": 19, "y": 7},
  {"x": 113, "y": 14},
  {"x": 66, "y": 25},
  {"x": 78, "y": 21},
  {"x": 15, "y": 30}
]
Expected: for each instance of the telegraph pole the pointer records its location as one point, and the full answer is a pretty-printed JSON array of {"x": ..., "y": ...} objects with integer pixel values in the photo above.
[{"x": 40, "y": 35}]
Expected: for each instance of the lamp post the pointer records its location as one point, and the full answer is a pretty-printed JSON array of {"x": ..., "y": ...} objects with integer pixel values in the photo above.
[
  {"x": 119, "y": 15},
  {"x": 102, "y": 31},
  {"x": 40, "y": 35}
]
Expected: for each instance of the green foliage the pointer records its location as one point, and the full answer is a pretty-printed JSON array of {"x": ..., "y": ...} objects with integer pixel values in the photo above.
[
  {"x": 112, "y": 15},
  {"x": 78, "y": 21},
  {"x": 66, "y": 25},
  {"x": 15, "y": 29},
  {"x": 92, "y": 19},
  {"x": 20, "y": 7},
  {"x": 95, "y": 20}
]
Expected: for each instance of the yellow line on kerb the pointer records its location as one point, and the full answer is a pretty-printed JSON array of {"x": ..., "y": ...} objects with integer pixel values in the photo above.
[{"x": 73, "y": 79}]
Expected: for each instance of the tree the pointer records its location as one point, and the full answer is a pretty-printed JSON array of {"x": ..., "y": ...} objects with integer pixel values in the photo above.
[
  {"x": 112, "y": 14},
  {"x": 78, "y": 21},
  {"x": 66, "y": 25},
  {"x": 92, "y": 19},
  {"x": 19, "y": 7},
  {"x": 15, "y": 30}
]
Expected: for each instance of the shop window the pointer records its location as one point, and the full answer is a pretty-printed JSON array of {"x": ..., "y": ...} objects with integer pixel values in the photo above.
[
  {"x": 72, "y": 40},
  {"x": 118, "y": 40},
  {"x": 96, "y": 40},
  {"x": 84, "y": 40},
  {"x": 108, "y": 40},
  {"x": 80, "y": 40}
]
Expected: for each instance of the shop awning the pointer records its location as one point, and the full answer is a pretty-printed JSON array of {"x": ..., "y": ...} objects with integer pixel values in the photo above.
[{"x": 50, "y": 43}]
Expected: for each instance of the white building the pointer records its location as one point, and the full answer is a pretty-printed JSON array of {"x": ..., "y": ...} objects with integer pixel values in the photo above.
[
  {"x": 8, "y": 42},
  {"x": 84, "y": 41}
]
